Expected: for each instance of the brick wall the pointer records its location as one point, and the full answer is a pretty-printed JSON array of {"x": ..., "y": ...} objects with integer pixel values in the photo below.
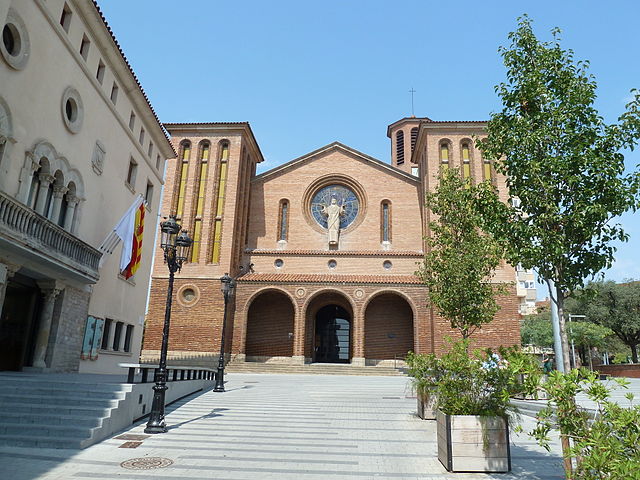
[
  {"x": 269, "y": 323},
  {"x": 630, "y": 370},
  {"x": 388, "y": 328}
]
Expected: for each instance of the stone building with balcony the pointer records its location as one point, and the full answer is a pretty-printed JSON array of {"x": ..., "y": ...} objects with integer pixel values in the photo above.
[{"x": 79, "y": 141}]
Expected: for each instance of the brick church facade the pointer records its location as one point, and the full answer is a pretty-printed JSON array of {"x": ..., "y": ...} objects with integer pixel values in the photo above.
[{"x": 315, "y": 282}]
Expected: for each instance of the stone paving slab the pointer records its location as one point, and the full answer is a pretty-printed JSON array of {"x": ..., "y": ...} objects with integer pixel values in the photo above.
[{"x": 282, "y": 427}]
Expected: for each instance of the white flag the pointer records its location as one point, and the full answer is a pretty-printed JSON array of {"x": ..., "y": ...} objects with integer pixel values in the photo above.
[{"x": 123, "y": 231}]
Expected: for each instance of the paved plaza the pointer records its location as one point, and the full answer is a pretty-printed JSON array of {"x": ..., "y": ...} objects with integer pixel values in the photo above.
[{"x": 280, "y": 427}]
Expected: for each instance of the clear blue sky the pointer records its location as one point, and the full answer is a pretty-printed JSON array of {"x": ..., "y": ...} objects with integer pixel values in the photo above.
[{"x": 305, "y": 74}]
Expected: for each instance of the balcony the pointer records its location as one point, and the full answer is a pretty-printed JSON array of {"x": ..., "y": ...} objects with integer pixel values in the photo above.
[{"x": 41, "y": 246}]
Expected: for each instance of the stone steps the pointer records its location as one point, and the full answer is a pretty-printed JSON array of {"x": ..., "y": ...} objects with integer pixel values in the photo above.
[
  {"x": 55, "y": 413},
  {"x": 313, "y": 369}
]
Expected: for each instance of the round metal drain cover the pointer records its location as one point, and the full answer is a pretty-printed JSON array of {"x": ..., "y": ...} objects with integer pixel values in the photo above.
[{"x": 146, "y": 463}]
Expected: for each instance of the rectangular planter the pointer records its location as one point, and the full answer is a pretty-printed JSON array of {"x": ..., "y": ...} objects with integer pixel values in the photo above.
[
  {"x": 470, "y": 443},
  {"x": 426, "y": 405}
]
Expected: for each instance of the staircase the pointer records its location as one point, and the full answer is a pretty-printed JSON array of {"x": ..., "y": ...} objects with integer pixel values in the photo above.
[
  {"x": 50, "y": 412},
  {"x": 310, "y": 369}
]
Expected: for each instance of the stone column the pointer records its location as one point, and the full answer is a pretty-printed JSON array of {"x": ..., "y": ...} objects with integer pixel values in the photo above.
[
  {"x": 49, "y": 293},
  {"x": 26, "y": 177},
  {"x": 72, "y": 202},
  {"x": 45, "y": 181},
  {"x": 7, "y": 270},
  {"x": 58, "y": 194}
]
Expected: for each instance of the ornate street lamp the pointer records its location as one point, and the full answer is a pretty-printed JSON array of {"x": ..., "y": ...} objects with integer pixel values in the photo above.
[
  {"x": 228, "y": 284},
  {"x": 176, "y": 248}
]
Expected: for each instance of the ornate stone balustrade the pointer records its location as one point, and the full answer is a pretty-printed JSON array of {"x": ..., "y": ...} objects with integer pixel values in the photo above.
[{"x": 24, "y": 227}]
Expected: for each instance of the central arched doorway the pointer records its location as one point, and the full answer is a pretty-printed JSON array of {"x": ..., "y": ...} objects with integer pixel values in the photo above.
[{"x": 332, "y": 335}]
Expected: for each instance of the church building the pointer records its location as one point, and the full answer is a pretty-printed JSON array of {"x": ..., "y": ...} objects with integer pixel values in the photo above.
[{"x": 323, "y": 249}]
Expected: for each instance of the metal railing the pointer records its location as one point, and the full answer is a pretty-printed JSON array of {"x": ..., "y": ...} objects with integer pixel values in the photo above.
[
  {"x": 42, "y": 234},
  {"x": 174, "y": 374}
]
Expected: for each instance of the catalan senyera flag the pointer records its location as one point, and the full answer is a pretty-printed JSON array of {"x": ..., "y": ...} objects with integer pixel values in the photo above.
[
  {"x": 128, "y": 230},
  {"x": 136, "y": 248}
]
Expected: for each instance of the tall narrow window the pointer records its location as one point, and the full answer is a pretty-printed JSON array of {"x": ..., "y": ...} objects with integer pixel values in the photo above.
[
  {"x": 84, "y": 47},
  {"x": 100, "y": 72},
  {"x": 132, "y": 121},
  {"x": 150, "y": 149},
  {"x": 65, "y": 18},
  {"x": 182, "y": 182},
  {"x": 114, "y": 93},
  {"x": 127, "y": 338},
  {"x": 284, "y": 220},
  {"x": 117, "y": 336},
  {"x": 400, "y": 147},
  {"x": 202, "y": 182},
  {"x": 104, "y": 345},
  {"x": 487, "y": 169},
  {"x": 141, "y": 137},
  {"x": 444, "y": 155},
  {"x": 466, "y": 164},
  {"x": 414, "y": 137},
  {"x": 131, "y": 173},
  {"x": 222, "y": 182},
  {"x": 148, "y": 194},
  {"x": 385, "y": 221}
]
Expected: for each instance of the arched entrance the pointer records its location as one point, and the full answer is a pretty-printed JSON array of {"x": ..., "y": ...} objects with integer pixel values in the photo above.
[
  {"x": 388, "y": 328},
  {"x": 270, "y": 323},
  {"x": 329, "y": 329},
  {"x": 332, "y": 335}
]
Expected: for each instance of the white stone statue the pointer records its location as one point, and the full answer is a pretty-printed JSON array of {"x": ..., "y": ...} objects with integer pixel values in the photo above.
[{"x": 333, "y": 213}]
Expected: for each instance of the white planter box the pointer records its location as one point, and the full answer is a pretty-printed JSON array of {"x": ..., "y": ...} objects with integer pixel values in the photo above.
[
  {"x": 426, "y": 404},
  {"x": 469, "y": 443}
]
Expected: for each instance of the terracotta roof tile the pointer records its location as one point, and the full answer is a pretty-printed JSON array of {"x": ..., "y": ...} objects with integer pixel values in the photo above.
[
  {"x": 329, "y": 278},
  {"x": 339, "y": 253}
]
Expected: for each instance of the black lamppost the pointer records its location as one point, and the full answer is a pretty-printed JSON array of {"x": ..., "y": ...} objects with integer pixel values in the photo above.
[
  {"x": 228, "y": 284},
  {"x": 176, "y": 247}
]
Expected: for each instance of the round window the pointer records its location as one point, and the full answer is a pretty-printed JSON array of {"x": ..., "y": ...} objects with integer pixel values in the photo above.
[
  {"x": 332, "y": 264},
  {"x": 72, "y": 109},
  {"x": 189, "y": 294},
  {"x": 11, "y": 39},
  {"x": 279, "y": 263},
  {"x": 387, "y": 265},
  {"x": 339, "y": 195},
  {"x": 15, "y": 44}
]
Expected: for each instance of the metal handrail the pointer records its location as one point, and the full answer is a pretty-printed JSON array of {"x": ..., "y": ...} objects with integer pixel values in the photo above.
[{"x": 183, "y": 372}]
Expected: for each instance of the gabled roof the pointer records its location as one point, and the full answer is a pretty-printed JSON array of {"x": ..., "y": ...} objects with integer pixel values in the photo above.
[
  {"x": 333, "y": 147},
  {"x": 428, "y": 121}
]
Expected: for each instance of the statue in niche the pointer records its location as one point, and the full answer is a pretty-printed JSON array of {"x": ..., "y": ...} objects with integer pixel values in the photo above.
[{"x": 333, "y": 212}]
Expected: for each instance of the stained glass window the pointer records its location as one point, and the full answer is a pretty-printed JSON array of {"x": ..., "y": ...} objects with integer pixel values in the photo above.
[{"x": 344, "y": 197}]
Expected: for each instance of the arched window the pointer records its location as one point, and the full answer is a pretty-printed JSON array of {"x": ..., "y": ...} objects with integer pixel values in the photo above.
[
  {"x": 202, "y": 182},
  {"x": 414, "y": 137},
  {"x": 400, "y": 147},
  {"x": 283, "y": 224},
  {"x": 466, "y": 164},
  {"x": 385, "y": 221},
  {"x": 222, "y": 183},
  {"x": 182, "y": 177},
  {"x": 486, "y": 165},
  {"x": 444, "y": 154}
]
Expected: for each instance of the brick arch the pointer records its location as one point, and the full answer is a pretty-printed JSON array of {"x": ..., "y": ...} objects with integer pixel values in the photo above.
[
  {"x": 314, "y": 303},
  {"x": 270, "y": 315},
  {"x": 389, "y": 326}
]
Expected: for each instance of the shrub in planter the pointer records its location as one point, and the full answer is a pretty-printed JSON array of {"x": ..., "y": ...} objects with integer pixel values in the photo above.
[
  {"x": 423, "y": 370},
  {"x": 474, "y": 410}
]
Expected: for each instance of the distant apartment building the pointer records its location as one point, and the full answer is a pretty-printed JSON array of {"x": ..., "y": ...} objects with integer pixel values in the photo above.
[
  {"x": 526, "y": 291},
  {"x": 79, "y": 142}
]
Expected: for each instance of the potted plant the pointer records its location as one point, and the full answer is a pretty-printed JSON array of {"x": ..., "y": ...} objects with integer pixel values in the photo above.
[
  {"x": 423, "y": 370},
  {"x": 473, "y": 406}
]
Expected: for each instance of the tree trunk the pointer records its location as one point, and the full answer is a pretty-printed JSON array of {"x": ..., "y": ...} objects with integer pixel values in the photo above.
[
  {"x": 634, "y": 353},
  {"x": 563, "y": 330},
  {"x": 557, "y": 342}
]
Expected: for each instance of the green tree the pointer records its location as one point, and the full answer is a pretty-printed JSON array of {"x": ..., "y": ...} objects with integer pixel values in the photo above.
[
  {"x": 563, "y": 163},
  {"x": 615, "y": 306},
  {"x": 536, "y": 330},
  {"x": 460, "y": 260}
]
